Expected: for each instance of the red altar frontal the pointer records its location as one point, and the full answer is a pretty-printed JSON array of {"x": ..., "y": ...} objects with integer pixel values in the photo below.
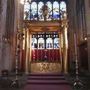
[
  {"x": 49, "y": 55},
  {"x": 43, "y": 61}
]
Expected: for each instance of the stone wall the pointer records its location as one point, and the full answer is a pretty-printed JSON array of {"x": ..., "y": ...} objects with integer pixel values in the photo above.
[
  {"x": 71, "y": 29},
  {"x": 87, "y": 10},
  {"x": 78, "y": 26},
  {"x": 2, "y": 30},
  {"x": 8, "y": 28}
]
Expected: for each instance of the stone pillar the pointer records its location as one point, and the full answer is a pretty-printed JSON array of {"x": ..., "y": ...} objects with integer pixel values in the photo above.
[
  {"x": 87, "y": 14},
  {"x": 27, "y": 52},
  {"x": 30, "y": 50},
  {"x": 65, "y": 50},
  {"x": 17, "y": 26},
  {"x": 3, "y": 7},
  {"x": 60, "y": 50}
]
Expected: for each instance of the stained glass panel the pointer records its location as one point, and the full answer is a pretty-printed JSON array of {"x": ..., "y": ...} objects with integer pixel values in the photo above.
[
  {"x": 34, "y": 43},
  {"x": 34, "y": 14},
  {"x": 40, "y": 12},
  {"x": 27, "y": 11},
  {"x": 49, "y": 16},
  {"x": 56, "y": 43},
  {"x": 49, "y": 43},
  {"x": 55, "y": 10},
  {"x": 45, "y": 11},
  {"x": 41, "y": 43},
  {"x": 62, "y": 6},
  {"x": 63, "y": 10}
]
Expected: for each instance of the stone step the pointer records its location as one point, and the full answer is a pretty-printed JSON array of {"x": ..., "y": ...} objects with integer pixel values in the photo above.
[
  {"x": 45, "y": 74},
  {"x": 46, "y": 78},
  {"x": 47, "y": 82},
  {"x": 39, "y": 78}
]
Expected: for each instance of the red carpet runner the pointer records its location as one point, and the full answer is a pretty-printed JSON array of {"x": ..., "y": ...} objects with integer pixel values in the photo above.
[{"x": 47, "y": 82}]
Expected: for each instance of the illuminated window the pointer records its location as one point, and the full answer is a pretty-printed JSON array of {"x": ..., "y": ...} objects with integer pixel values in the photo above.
[
  {"x": 40, "y": 43},
  {"x": 45, "y": 40},
  {"x": 55, "y": 10},
  {"x": 34, "y": 14},
  {"x": 49, "y": 16},
  {"x": 44, "y": 11},
  {"x": 40, "y": 12},
  {"x": 62, "y": 6},
  {"x": 27, "y": 11},
  {"x": 49, "y": 43},
  {"x": 56, "y": 43},
  {"x": 34, "y": 43},
  {"x": 63, "y": 10}
]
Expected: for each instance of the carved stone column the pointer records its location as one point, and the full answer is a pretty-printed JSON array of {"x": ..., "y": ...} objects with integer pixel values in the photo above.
[
  {"x": 60, "y": 50},
  {"x": 65, "y": 50},
  {"x": 87, "y": 15},
  {"x": 30, "y": 50},
  {"x": 3, "y": 7},
  {"x": 27, "y": 52},
  {"x": 88, "y": 40}
]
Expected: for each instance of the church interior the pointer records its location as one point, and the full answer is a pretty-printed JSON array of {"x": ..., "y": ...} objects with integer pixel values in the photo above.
[{"x": 45, "y": 44}]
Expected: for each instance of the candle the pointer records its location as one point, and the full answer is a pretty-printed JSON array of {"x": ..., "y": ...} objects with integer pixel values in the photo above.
[{"x": 75, "y": 42}]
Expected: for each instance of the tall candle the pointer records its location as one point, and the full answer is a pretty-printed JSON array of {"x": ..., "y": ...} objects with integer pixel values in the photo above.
[{"x": 75, "y": 42}]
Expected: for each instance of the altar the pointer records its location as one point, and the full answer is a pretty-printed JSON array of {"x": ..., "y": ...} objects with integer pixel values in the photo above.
[{"x": 45, "y": 67}]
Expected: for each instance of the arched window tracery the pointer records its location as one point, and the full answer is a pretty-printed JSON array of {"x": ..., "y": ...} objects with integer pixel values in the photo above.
[{"x": 44, "y": 11}]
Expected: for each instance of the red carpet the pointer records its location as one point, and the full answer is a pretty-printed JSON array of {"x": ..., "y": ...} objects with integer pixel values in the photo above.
[{"x": 47, "y": 82}]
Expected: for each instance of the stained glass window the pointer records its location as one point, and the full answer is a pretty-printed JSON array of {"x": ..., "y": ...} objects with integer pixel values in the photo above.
[
  {"x": 62, "y": 6},
  {"x": 49, "y": 43},
  {"x": 40, "y": 12},
  {"x": 34, "y": 11},
  {"x": 41, "y": 43},
  {"x": 63, "y": 9},
  {"x": 56, "y": 43},
  {"x": 45, "y": 40},
  {"x": 26, "y": 11},
  {"x": 55, "y": 10},
  {"x": 49, "y": 16},
  {"x": 34, "y": 43},
  {"x": 45, "y": 11}
]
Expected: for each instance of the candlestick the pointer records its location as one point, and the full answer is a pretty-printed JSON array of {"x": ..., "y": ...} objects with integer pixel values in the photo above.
[
  {"x": 19, "y": 37},
  {"x": 77, "y": 83}
]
